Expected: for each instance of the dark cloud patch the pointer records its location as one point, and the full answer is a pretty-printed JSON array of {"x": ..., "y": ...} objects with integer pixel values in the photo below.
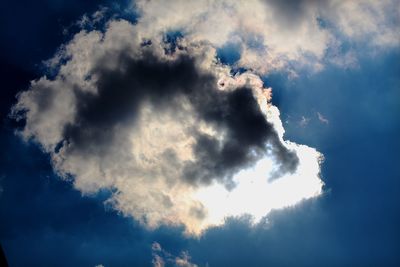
[
  {"x": 122, "y": 92},
  {"x": 291, "y": 13},
  {"x": 245, "y": 142}
]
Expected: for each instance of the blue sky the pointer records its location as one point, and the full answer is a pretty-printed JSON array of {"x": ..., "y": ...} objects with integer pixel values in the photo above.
[{"x": 45, "y": 221}]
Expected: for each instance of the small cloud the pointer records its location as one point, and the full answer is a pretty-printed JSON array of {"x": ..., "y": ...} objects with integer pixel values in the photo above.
[
  {"x": 184, "y": 260},
  {"x": 304, "y": 121},
  {"x": 322, "y": 118},
  {"x": 83, "y": 21},
  {"x": 91, "y": 20},
  {"x": 156, "y": 247},
  {"x": 99, "y": 14},
  {"x": 158, "y": 261},
  {"x": 161, "y": 257}
]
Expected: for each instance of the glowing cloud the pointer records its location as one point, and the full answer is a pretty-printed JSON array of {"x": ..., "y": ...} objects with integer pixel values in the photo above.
[{"x": 174, "y": 135}]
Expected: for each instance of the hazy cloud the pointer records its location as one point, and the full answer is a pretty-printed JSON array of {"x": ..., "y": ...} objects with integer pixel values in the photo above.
[
  {"x": 304, "y": 121},
  {"x": 322, "y": 118}
]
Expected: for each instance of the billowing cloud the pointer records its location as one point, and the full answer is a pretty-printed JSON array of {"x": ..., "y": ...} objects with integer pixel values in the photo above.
[
  {"x": 149, "y": 112},
  {"x": 155, "y": 127},
  {"x": 287, "y": 35}
]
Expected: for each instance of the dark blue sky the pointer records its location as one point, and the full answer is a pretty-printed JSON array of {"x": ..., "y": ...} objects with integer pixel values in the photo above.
[{"x": 45, "y": 222}]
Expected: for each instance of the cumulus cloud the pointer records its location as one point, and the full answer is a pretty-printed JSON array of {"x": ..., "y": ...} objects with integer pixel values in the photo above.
[
  {"x": 259, "y": 28},
  {"x": 149, "y": 112},
  {"x": 287, "y": 35},
  {"x": 152, "y": 126}
]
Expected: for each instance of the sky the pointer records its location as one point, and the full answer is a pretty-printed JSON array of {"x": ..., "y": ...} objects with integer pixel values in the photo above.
[{"x": 200, "y": 133}]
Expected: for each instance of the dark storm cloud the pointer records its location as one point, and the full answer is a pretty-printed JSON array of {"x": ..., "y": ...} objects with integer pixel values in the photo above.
[{"x": 121, "y": 93}]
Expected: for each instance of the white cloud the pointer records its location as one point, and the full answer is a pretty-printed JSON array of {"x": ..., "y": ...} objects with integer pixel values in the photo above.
[
  {"x": 144, "y": 160},
  {"x": 272, "y": 36},
  {"x": 278, "y": 35},
  {"x": 253, "y": 24},
  {"x": 375, "y": 21}
]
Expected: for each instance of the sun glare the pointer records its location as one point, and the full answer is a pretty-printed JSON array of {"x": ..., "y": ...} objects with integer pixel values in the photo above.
[{"x": 256, "y": 195}]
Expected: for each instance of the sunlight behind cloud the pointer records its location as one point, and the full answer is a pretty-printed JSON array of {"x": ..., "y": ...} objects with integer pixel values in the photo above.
[
  {"x": 256, "y": 195},
  {"x": 192, "y": 147}
]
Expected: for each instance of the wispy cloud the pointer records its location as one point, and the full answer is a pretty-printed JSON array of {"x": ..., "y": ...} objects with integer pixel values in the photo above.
[
  {"x": 322, "y": 118},
  {"x": 163, "y": 258},
  {"x": 304, "y": 121}
]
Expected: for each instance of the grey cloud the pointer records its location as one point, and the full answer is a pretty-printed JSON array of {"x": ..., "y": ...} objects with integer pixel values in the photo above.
[
  {"x": 290, "y": 13},
  {"x": 121, "y": 93}
]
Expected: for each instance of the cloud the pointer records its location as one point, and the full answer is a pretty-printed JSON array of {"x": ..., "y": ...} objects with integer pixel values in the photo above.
[
  {"x": 304, "y": 121},
  {"x": 254, "y": 26},
  {"x": 89, "y": 21},
  {"x": 163, "y": 258},
  {"x": 322, "y": 118},
  {"x": 174, "y": 86},
  {"x": 169, "y": 130},
  {"x": 276, "y": 35}
]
